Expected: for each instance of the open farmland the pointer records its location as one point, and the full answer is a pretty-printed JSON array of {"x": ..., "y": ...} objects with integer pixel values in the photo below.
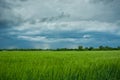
[{"x": 60, "y": 65}]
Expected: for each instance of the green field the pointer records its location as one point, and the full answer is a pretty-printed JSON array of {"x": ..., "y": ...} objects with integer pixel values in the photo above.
[{"x": 60, "y": 65}]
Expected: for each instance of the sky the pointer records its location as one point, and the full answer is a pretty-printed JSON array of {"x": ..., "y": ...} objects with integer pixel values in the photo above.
[{"x": 59, "y": 23}]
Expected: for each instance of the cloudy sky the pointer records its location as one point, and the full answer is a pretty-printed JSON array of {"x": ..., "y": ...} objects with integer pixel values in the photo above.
[{"x": 59, "y": 23}]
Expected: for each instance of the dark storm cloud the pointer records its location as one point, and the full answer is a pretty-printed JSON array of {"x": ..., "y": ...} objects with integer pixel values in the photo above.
[
  {"x": 49, "y": 19},
  {"x": 104, "y": 1},
  {"x": 62, "y": 15},
  {"x": 4, "y": 4},
  {"x": 4, "y": 7},
  {"x": 23, "y": 0},
  {"x": 7, "y": 16},
  {"x": 111, "y": 9}
]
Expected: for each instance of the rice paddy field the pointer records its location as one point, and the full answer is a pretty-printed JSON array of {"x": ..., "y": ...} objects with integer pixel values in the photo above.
[{"x": 60, "y": 65}]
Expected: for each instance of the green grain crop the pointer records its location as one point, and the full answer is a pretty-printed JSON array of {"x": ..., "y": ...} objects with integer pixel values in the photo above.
[{"x": 60, "y": 65}]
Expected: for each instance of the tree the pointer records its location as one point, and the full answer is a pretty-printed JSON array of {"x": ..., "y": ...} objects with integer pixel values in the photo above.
[
  {"x": 80, "y": 47},
  {"x": 86, "y": 48},
  {"x": 118, "y": 47},
  {"x": 108, "y": 48},
  {"x": 90, "y": 48},
  {"x": 101, "y": 47}
]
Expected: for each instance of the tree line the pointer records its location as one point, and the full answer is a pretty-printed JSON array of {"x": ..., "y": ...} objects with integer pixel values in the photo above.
[{"x": 80, "y": 48}]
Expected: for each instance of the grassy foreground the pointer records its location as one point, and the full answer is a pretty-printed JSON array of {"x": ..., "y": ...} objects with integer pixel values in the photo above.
[{"x": 60, "y": 65}]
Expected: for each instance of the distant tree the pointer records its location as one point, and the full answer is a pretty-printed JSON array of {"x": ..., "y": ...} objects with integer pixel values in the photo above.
[
  {"x": 80, "y": 47},
  {"x": 101, "y": 47},
  {"x": 86, "y": 48},
  {"x": 90, "y": 48},
  {"x": 118, "y": 48},
  {"x": 108, "y": 48}
]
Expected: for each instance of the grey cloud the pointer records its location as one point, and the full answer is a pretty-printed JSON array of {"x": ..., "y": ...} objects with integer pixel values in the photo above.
[
  {"x": 23, "y": 0},
  {"x": 49, "y": 19},
  {"x": 9, "y": 4},
  {"x": 7, "y": 16},
  {"x": 110, "y": 10},
  {"x": 60, "y": 20},
  {"x": 4, "y": 4},
  {"x": 104, "y": 1},
  {"x": 62, "y": 15},
  {"x": 55, "y": 18},
  {"x": 77, "y": 10}
]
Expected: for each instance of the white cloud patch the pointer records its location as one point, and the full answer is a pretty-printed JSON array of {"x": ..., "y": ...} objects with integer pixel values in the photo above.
[
  {"x": 86, "y": 36},
  {"x": 44, "y": 39},
  {"x": 32, "y": 38},
  {"x": 79, "y": 26}
]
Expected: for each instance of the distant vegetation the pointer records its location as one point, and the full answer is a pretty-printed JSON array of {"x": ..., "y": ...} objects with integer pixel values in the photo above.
[{"x": 80, "y": 48}]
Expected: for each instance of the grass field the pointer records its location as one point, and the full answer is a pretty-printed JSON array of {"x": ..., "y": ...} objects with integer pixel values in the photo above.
[{"x": 60, "y": 65}]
